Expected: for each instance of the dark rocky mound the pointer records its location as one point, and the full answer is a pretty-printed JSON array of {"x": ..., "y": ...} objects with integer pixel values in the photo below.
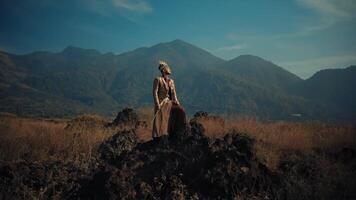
[
  {"x": 202, "y": 115},
  {"x": 127, "y": 118},
  {"x": 49, "y": 180},
  {"x": 185, "y": 166},
  {"x": 327, "y": 174},
  {"x": 124, "y": 141}
]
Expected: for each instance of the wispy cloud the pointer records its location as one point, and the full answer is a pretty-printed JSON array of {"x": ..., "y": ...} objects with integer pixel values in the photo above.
[
  {"x": 232, "y": 47},
  {"x": 306, "y": 68},
  {"x": 331, "y": 8},
  {"x": 132, "y": 10},
  {"x": 125, "y": 7},
  {"x": 329, "y": 12},
  {"x": 139, "y": 6}
]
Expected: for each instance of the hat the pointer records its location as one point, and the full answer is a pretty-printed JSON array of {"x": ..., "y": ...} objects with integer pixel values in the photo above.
[{"x": 163, "y": 67}]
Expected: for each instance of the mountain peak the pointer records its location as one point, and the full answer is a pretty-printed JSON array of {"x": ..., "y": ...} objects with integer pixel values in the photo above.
[
  {"x": 178, "y": 41},
  {"x": 77, "y": 51},
  {"x": 347, "y": 71},
  {"x": 175, "y": 43},
  {"x": 72, "y": 48},
  {"x": 248, "y": 58},
  {"x": 261, "y": 71}
]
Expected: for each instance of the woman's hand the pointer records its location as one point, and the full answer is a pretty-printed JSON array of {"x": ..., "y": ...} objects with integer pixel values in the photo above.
[{"x": 157, "y": 107}]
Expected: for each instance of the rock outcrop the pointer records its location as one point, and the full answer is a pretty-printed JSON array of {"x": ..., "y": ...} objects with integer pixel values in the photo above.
[
  {"x": 186, "y": 166},
  {"x": 127, "y": 118}
]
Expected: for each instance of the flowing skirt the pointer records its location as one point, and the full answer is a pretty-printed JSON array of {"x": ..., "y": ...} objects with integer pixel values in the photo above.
[
  {"x": 161, "y": 118},
  {"x": 169, "y": 119}
]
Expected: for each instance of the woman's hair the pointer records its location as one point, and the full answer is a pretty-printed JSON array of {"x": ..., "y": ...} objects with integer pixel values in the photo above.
[{"x": 163, "y": 67}]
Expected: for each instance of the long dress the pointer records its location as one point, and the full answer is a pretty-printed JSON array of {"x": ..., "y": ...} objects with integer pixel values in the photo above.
[{"x": 170, "y": 117}]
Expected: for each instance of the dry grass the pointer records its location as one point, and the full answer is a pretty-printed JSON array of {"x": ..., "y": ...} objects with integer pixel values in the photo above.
[
  {"x": 73, "y": 140},
  {"x": 39, "y": 140},
  {"x": 77, "y": 140},
  {"x": 146, "y": 114},
  {"x": 273, "y": 138}
]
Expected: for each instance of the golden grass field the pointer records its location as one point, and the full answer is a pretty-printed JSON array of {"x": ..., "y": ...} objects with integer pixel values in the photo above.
[
  {"x": 274, "y": 138},
  {"x": 76, "y": 140}
]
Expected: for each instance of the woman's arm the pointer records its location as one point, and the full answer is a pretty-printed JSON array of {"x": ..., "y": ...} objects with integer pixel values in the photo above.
[{"x": 155, "y": 92}]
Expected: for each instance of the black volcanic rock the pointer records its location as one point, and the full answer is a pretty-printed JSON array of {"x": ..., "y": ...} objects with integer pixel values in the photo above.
[
  {"x": 126, "y": 117},
  {"x": 188, "y": 166},
  {"x": 51, "y": 179},
  {"x": 191, "y": 167},
  {"x": 121, "y": 142},
  {"x": 202, "y": 115}
]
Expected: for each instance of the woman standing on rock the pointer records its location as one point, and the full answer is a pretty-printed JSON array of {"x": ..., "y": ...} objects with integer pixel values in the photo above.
[{"x": 169, "y": 115}]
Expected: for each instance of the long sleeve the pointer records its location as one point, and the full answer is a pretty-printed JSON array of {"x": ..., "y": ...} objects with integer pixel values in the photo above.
[{"x": 155, "y": 91}]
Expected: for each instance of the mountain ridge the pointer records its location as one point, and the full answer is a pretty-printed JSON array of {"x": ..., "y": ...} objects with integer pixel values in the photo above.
[
  {"x": 173, "y": 42},
  {"x": 104, "y": 82}
]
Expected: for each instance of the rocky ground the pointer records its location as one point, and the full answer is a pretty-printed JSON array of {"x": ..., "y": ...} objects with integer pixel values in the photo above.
[{"x": 186, "y": 165}]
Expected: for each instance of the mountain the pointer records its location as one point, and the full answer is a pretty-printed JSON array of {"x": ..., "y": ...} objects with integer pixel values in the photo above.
[
  {"x": 9, "y": 73},
  {"x": 260, "y": 71},
  {"x": 77, "y": 81},
  {"x": 334, "y": 87},
  {"x": 133, "y": 84},
  {"x": 43, "y": 78},
  {"x": 202, "y": 84}
]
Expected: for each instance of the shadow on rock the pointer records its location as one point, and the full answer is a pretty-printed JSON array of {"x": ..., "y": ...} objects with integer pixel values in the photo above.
[{"x": 187, "y": 165}]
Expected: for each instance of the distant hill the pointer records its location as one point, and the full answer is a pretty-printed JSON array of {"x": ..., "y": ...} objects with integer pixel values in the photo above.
[
  {"x": 260, "y": 71},
  {"x": 57, "y": 84},
  {"x": 334, "y": 87},
  {"x": 77, "y": 81}
]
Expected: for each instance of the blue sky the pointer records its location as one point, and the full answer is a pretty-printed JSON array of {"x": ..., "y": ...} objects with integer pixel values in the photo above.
[{"x": 302, "y": 36}]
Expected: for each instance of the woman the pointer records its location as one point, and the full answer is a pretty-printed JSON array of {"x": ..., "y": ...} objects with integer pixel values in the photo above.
[{"x": 169, "y": 115}]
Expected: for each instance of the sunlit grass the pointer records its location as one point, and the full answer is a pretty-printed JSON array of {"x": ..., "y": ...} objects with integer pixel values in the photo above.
[
  {"x": 273, "y": 138},
  {"x": 77, "y": 140}
]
